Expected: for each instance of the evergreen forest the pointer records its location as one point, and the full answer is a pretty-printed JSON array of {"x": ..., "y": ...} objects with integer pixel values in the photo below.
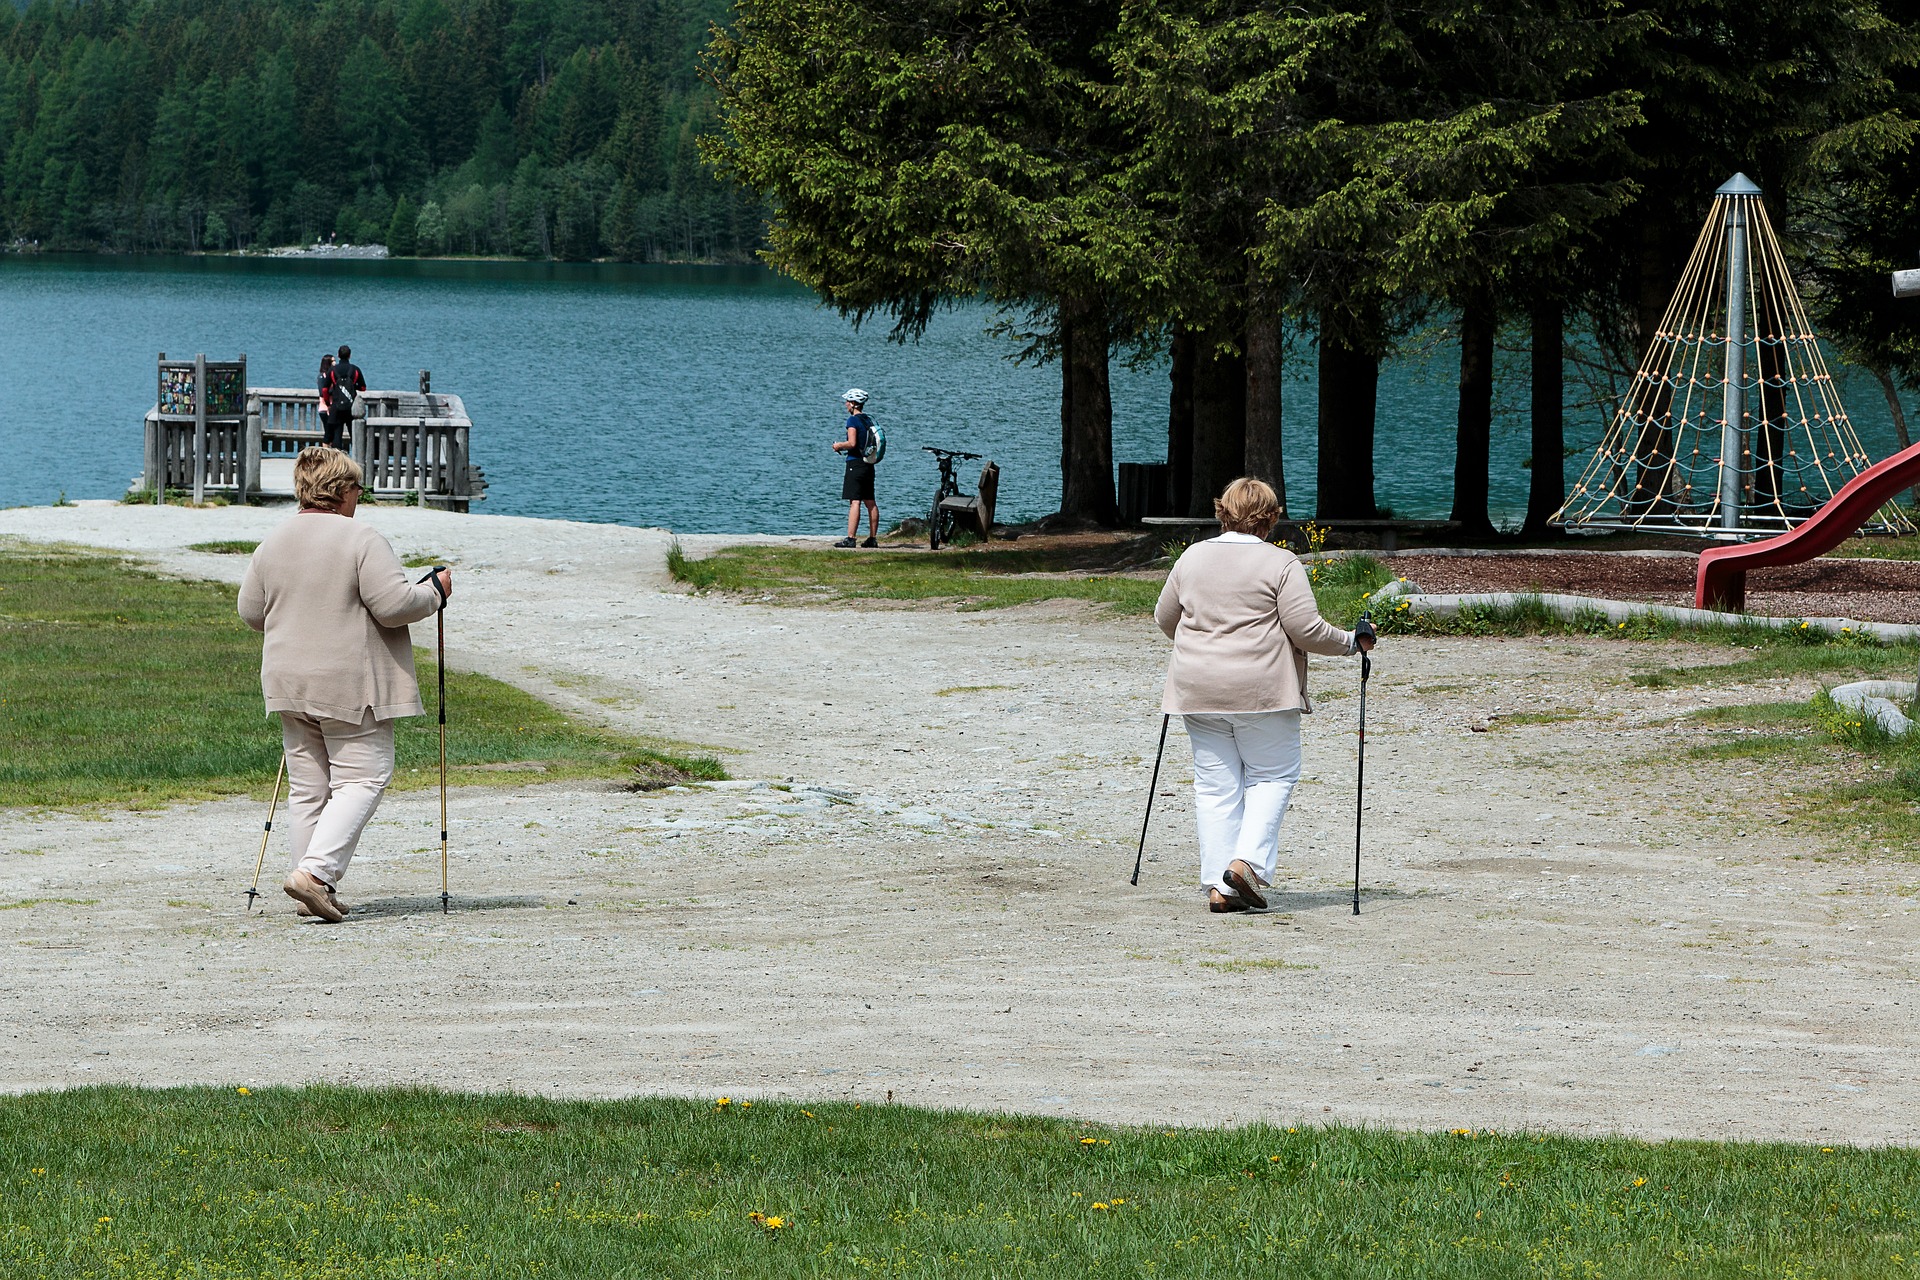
[
  {"x": 1221, "y": 181},
  {"x": 542, "y": 128}
]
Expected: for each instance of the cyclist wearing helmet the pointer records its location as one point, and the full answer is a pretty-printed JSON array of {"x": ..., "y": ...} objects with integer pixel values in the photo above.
[{"x": 857, "y": 488}]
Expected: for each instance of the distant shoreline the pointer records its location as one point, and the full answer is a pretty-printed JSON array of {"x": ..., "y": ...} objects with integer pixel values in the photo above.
[{"x": 339, "y": 253}]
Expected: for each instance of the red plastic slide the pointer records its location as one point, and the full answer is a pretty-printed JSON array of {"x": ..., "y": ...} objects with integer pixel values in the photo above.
[{"x": 1721, "y": 581}]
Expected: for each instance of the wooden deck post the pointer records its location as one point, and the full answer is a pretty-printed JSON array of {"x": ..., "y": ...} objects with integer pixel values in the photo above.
[
  {"x": 250, "y": 448},
  {"x": 358, "y": 445},
  {"x": 457, "y": 477},
  {"x": 199, "y": 428}
]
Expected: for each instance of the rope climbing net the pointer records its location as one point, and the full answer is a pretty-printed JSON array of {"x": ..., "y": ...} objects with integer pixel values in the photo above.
[{"x": 1732, "y": 426}]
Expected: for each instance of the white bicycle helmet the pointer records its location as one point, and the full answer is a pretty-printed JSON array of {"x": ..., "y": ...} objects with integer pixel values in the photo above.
[{"x": 855, "y": 396}]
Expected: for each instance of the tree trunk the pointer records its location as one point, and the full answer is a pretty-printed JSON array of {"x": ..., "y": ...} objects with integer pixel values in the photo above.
[
  {"x": 1219, "y": 424},
  {"x": 1180, "y": 426},
  {"x": 1473, "y": 427},
  {"x": 1066, "y": 401},
  {"x": 1265, "y": 456},
  {"x": 1547, "y": 485},
  {"x": 1349, "y": 387},
  {"x": 1086, "y": 477},
  {"x": 1899, "y": 413}
]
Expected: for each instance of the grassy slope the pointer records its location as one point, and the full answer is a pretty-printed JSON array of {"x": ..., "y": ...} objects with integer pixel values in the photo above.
[
  {"x": 342, "y": 1184},
  {"x": 119, "y": 686},
  {"x": 985, "y": 579}
]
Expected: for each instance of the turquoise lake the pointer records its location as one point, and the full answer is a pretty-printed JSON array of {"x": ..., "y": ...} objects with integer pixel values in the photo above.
[{"x": 702, "y": 399}]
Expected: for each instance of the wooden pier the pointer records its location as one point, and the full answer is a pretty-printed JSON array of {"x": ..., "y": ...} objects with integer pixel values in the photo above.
[{"x": 211, "y": 434}]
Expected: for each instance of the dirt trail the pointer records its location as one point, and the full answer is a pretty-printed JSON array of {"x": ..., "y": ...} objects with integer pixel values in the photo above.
[{"x": 918, "y": 887}]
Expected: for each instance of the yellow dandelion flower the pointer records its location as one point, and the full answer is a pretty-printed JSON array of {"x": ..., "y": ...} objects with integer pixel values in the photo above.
[
  {"x": 1098, "y": 1205},
  {"x": 1118, "y": 1202},
  {"x": 808, "y": 1114},
  {"x": 1826, "y": 1150},
  {"x": 746, "y": 1102},
  {"x": 721, "y": 1102},
  {"x": 1076, "y": 1195},
  {"x": 1273, "y": 1159},
  {"x": 1086, "y": 1142},
  {"x": 774, "y": 1223},
  {"x": 244, "y": 1092},
  {"x": 106, "y": 1219}
]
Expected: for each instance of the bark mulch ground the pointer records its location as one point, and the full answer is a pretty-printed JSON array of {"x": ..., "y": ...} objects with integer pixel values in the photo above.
[{"x": 1871, "y": 590}]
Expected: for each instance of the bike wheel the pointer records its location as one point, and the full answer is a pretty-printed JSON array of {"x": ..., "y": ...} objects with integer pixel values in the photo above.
[{"x": 934, "y": 518}]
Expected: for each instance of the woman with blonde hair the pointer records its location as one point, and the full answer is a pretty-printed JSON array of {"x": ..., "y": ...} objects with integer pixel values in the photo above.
[
  {"x": 337, "y": 665},
  {"x": 1242, "y": 617}
]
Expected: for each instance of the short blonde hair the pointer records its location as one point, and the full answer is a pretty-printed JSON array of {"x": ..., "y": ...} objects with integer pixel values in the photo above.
[
  {"x": 1248, "y": 506},
  {"x": 322, "y": 476}
]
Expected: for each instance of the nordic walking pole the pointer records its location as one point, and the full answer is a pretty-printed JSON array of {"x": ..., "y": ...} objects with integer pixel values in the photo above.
[
  {"x": 440, "y": 671},
  {"x": 253, "y": 890},
  {"x": 1360, "y": 779},
  {"x": 1151, "y": 788}
]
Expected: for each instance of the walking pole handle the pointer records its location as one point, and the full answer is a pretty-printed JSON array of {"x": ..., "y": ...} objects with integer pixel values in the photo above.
[{"x": 433, "y": 576}]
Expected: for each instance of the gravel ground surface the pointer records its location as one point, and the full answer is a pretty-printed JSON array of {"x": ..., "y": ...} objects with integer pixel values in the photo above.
[
  {"x": 1871, "y": 590},
  {"x": 918, "y": 889}
]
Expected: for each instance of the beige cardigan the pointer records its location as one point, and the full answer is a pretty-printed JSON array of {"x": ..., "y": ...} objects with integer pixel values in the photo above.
[
  {"x": 334, "y": 602},
  {"x": 1242, "y": 618}
]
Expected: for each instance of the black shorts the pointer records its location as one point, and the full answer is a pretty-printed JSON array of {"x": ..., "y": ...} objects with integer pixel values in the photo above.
[{"x": 858, "y": 486}]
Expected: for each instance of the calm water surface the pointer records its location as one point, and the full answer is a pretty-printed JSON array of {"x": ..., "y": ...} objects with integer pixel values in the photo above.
[{"x": 696, "y": 398}]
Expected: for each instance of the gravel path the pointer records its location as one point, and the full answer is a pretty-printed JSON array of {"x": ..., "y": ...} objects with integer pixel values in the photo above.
[{"x": 918, "y": 887}]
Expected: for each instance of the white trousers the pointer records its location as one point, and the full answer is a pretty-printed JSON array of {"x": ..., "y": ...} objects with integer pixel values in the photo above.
[
  {"x": 1244, "y": 771},
  {"x": 336, "y": 774}
]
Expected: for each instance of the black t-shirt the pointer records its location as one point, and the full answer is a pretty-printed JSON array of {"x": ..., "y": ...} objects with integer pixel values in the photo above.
[{"x": 862, "y": 427}]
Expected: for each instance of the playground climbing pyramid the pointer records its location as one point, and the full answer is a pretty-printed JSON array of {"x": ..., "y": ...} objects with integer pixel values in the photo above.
[{"x": 1732, "y": 426}]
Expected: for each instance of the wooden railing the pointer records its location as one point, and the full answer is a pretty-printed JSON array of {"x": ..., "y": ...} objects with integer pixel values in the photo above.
[{"x": 409, "y": 445}]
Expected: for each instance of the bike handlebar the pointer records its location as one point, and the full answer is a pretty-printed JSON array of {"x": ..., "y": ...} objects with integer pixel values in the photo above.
[{"x": 947, "y": 453}]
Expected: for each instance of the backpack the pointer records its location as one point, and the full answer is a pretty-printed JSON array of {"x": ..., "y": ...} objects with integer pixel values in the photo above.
[
  {"x": 876, "y": 442},
  {"x": 341, "y": 393}
]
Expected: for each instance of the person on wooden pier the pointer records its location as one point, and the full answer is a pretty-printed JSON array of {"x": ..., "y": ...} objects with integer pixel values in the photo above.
[
  {"x": 340, "y": 381},
  {"x": 329, "y": 425},
  {"x": 857, "y": 488},
  {"x": 334, "y": 603}
]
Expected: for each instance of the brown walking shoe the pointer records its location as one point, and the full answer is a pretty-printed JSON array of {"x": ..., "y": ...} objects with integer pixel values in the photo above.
[
  {"x": 301, "y": 908},
  {"x": 1243, "y": 880},
  {"x": 310, "y": 892},
  {"x": 1220, "y": 903}
]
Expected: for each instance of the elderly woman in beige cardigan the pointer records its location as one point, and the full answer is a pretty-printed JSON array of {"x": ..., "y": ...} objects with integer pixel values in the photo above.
[
  {"x": 1242, "y": 617},
  {"x": 337, "y": 665}
]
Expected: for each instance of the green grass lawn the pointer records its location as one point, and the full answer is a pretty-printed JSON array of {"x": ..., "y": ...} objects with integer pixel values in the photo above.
[
  {"x": 342, "y": 1184},
  {"x": 974, "y": 579},
  {"x": 118, "y": 686}
]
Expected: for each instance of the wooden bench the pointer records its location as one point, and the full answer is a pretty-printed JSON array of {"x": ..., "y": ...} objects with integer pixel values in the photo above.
[{"x": 976, "y": 511}]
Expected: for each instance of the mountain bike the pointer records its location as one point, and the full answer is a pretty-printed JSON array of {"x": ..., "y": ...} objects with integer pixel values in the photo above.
[{"x": 940, "y": 522}]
